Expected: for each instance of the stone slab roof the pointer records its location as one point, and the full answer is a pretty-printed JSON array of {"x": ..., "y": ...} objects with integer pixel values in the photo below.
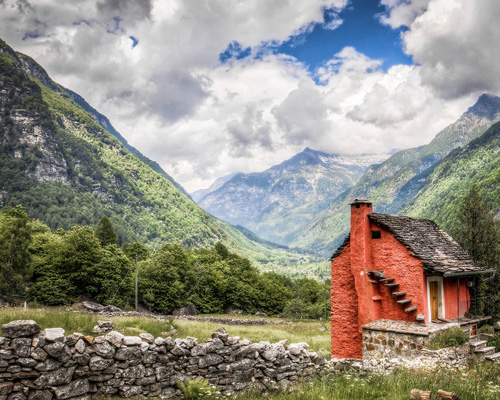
[
  {"x": 428, "y": 242},
  {"x": 341, "y": 248},
  {"x": 409, "y": 328}
]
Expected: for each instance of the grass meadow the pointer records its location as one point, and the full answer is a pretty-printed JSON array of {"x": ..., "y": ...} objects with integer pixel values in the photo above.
[
  {"x": 315, "y": 333},
  {"x": 479, "y": 382}
]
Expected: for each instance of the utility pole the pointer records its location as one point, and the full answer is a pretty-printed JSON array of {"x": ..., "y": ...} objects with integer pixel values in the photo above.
[{"x": 136, "y": 278}]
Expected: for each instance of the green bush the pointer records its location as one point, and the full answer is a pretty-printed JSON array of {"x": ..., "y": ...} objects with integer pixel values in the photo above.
[
  {"x": 452, "y": 337},
  {"x": 495, "y": 341},
  {"x": 485, "y": 329},
  {"x": 197, "y": 389}
]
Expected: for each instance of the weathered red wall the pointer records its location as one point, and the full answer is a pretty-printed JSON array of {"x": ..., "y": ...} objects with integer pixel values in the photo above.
[
  {"x": 390, "y": 256},
  {"x": 450, "y": 297},
  {"x": 346, "y": 336},
  {"x": 353, "y": 294}
]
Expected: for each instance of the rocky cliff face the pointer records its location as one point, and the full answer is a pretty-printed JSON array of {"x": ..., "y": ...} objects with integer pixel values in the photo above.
[
  {"x": 27, "y": 131},
  {"x": 58, "y": 160},
  {"x": 277, "y": 203},
  {"x": 394, "y": 184}
]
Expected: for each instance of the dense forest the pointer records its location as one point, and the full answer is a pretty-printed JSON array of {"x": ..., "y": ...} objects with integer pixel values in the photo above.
[{"x": 60, "y": 267}]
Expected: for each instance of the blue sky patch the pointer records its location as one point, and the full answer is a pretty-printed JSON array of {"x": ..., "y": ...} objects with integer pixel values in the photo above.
[
  {"x": 134, "y": 40},
  {"x": 360, "y": 28},
  {"x": 234, "y": 50}
]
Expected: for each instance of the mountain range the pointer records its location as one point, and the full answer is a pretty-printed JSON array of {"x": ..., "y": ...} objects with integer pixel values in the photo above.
[
  {"x": 408, "y": 181},
  {"x": 279, "y": 202},
  {"x": 66, "y": 164}
]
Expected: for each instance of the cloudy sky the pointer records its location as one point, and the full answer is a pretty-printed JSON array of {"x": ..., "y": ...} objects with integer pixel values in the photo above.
[{"x": 210, "y": 87}]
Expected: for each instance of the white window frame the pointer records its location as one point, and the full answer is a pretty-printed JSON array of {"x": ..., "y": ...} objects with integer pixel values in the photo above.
[{"x": 441, "y": 305}]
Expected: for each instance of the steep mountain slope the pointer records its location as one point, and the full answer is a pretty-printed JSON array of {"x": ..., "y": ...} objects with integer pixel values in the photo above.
[
  {"x": 277, "y": 203},
  {"x": 476, "y": 164},
  {"x": 66, "y": 169},
  {"x": 199, "y": 194},
  {"x": 394, "y": 183},
  {"x": 106, "y": 124}
]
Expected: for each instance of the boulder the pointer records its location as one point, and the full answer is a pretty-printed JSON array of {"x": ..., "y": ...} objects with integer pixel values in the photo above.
[
  {"x": 112, "y": 309},
  {"x": 20, "y": 328},
  {"x": 40, "y": 395},
  {"x": 190, "y": 309},
  {"x": 76, "y": 388},
  {"x": 260, "y": 314},
  {"x": 54, "y": 349},
  {"x": 147, "y": 337},
  {"x": 97, "y": 363},
  {"x": 91, "y": 306},
  {"x": 104, "y": 327},
  {"x": 54, "y": 334},
  {"x": 115, "y": 338},
  {"x": 105, "y": 350},
  {"x": 132, "y": 341}
]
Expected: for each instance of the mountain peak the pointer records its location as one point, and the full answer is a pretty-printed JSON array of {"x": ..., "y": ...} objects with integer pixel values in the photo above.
[{"x": 487, "y": 106}]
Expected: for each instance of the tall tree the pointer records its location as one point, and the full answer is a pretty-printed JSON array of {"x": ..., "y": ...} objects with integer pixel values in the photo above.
[
  {"x": 106, "y": 233},
  {"x": 478, "y": 233},
  {"x": 15, "y": 259}
]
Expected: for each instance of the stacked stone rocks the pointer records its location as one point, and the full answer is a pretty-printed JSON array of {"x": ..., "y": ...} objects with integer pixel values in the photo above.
[{"x": 43, "y": 365}]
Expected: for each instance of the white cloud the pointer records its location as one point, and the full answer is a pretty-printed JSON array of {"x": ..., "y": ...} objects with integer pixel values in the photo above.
[
  {"x": 456, "y": 42},
  {"x": 402, "y": 12},
  {"x": 201, "y": 119}
]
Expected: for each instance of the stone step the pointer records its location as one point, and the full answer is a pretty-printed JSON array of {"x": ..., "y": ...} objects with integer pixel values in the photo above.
[
  {"x": 411, "y": 309},
  {"x": 391, "y": 285},
  {"x": 404, "y": 301},
  {"x": 420, "y": 317},
  {"x": 477, "y": 344},
  {"x": 377, "y": 298},
  {"x": 399, "y": 294},
  {"x": 485, "y": 351},
  {"x": 373, "y": 282},
  {"x": 376, "y": 274},
  {"x": 389, "y": 280},
  {"x": 493, "y": 357}
]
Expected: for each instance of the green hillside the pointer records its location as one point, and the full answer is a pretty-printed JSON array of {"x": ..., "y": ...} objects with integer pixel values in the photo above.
[
  {"x": 397, "y": 181},
  {"x": 476, "y": 164},
  {"x": 66, "y": 169}
]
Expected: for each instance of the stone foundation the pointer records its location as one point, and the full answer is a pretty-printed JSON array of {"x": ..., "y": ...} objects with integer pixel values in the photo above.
[
  {"x": 388, "y": 344},
  {"x": 43, "y": 365}
]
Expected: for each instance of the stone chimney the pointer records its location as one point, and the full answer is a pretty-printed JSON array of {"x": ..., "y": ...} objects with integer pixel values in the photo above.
[{"x": 360, "y": 244}]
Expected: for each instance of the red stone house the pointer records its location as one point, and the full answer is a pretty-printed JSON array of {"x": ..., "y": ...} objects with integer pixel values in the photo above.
[{"x": 396, "y": 268}]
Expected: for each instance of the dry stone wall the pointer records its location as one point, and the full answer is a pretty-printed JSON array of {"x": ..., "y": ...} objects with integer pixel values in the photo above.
[{"x": 46, "y": 365}]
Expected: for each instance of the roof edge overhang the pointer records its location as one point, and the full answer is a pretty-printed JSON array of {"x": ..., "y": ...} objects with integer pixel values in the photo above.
[{"x": 468, "y": 273}]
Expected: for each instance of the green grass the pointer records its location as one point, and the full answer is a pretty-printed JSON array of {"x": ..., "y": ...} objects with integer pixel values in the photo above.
[
  {"x": 72, "y": 321},
  {"x": 448, "y": 338},
  {"x": 481, "y": 382},
  {"x": 305, "y": 331},
  {"x": 312, "y": 332}
]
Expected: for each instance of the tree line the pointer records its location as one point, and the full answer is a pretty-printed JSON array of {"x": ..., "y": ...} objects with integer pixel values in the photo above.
[{"x": 60, "y": 267}]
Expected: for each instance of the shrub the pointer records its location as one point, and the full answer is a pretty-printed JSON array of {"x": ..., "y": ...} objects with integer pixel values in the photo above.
[
  {"x": 495, "y": 341},
  {"x": 452, "y": 337},
  {"x": 485, "y": 329},
  {"x": 197, "y": 389}
]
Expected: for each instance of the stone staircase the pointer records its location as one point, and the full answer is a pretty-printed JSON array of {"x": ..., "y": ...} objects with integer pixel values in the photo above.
[
  {"x": 478, "y": 347},
  {"x": 379, "y": 278}
]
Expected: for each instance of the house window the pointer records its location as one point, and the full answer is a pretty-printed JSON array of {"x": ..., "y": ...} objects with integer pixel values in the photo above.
[{"x": 376, "y": 234}]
